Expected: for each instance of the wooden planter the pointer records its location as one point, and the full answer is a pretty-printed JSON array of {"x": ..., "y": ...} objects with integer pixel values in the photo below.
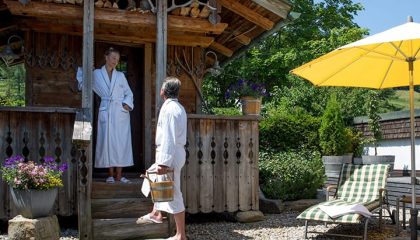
[
  {"x": 386, "y": 159},
  {"x": 251, "y": 105},
  {"x": 333, "y": 164}
]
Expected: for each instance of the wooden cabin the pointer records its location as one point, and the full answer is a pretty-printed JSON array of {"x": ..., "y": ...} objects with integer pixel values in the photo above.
[{"x": 155, "y": 38}]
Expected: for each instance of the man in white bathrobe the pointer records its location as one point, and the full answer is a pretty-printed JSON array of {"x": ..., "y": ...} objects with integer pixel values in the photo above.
[
  {"x": 113, "y": 142},
  {"x": 171, "y": 137}
]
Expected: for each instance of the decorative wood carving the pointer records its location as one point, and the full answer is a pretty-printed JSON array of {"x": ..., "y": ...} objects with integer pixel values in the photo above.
[
  {"x": 41, "y": 148},
  {"x": 58, "y": 150},
  {"x": 25, "y": 150},
  {"x": 238, "y": 152},
  {"x": 9, "y": 149},
  {"x": 193, "y": 70}
]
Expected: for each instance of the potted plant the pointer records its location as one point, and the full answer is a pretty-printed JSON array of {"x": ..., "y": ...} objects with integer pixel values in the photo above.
[
  {"x": 250, "y": 95},
  {"x": 333, "y": 140},
  {"x": 374, "y": 126},
  {"x": 33, "y": 186}
]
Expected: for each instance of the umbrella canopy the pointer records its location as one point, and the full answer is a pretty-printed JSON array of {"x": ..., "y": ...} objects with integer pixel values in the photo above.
[
  {"x": 384, "y": 60},
  {"x": 378, "y": 61}
]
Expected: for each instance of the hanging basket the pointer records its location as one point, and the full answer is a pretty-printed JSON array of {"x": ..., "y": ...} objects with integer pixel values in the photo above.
[
  {"x": 251, "y": 105},
  {"x": 161, "y": 190}
]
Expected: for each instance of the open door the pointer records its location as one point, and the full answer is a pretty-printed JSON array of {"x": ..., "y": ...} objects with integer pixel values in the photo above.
[{"x": 132, "y": 65}]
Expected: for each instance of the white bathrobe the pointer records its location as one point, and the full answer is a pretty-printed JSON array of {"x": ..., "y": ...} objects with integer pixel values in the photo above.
[
  {"x": 113, "y": 143},
  {"x": 171, "y": 137}
]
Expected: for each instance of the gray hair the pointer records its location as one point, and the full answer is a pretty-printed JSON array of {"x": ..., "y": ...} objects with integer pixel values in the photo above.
[{"x": 171, "y": 87}]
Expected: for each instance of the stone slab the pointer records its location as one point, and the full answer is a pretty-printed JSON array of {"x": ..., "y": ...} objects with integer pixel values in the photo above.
[{"x": 46, "y": 228}]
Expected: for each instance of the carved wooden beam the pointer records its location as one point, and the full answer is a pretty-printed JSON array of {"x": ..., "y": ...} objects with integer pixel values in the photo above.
[
  {"x": 129, "y": 35},
  {"x": 247, "y": 13},
  {"x": 221, "y": 49},
  {"x": 113, "y": 17},
  {"x": 277, "y": 7}
]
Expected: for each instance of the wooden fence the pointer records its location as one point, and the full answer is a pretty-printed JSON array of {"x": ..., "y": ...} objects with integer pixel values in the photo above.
[
  {"x": 34, "y": 133},
  {"x": 221, "y": 170}
]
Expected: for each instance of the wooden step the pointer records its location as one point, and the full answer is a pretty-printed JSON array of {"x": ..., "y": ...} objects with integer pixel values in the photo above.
[
  {"x": 126, "y": 228},
  {"x": 121, "y": 207},
  {"x": 103, "y": 190}
]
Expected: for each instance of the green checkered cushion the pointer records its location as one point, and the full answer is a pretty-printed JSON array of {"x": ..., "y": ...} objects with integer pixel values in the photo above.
[{"x": 358, "y": 184}]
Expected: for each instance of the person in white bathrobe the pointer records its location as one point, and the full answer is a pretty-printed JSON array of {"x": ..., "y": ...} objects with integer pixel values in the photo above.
[
  {"x": 113, "y": 142},
  {"x": 171, "y": 137}
]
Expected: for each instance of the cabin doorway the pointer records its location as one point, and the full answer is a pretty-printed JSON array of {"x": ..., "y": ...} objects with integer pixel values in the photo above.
[{"x": 132, "y": 65}]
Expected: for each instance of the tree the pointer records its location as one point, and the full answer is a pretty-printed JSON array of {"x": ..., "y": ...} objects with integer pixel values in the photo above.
[
  {"x": 332, "y": 133},
  {"x": 322, "y": 27},
  {"x": 12, "y": 85},
  {"x": 374, "y": 119}
]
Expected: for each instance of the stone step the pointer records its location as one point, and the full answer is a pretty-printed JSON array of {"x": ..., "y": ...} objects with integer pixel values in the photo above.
[
  {"x": 126, "y": 228},
  {"x": 103, "y": 190},
  {"x": 121, "y": 207}
]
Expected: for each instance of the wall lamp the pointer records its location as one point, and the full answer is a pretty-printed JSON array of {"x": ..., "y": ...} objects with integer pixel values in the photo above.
[
  {"x": 215, "y": 70},
  {"x": 7, "y": 55}
]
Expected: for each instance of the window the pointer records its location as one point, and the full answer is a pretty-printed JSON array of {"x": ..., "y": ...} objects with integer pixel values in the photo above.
[
  {"x": 12, "y": 84},
  {"x": 122, "y": 65}
]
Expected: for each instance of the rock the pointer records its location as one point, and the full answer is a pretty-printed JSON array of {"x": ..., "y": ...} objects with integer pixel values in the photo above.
[
  {"x": 301, "y": 205},
  {"x": 45, "y": 228},
  {"x": 271, "y": 206},
  {"x": 249, "y": 216}
]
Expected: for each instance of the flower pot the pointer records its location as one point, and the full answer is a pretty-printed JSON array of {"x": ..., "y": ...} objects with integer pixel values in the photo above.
[
  {"x": 251, "y": 105},
  {"x": 379, "y": 159},
  {"x": 34, "y": 203},
  {"x": 333, "y": 164}
]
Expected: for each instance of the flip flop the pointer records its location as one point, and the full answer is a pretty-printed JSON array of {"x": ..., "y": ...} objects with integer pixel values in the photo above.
[{"x": 147, "y": 218}]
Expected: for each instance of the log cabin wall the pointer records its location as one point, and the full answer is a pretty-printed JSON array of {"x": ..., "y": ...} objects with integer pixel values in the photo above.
[{"x": 51, "y": 64}]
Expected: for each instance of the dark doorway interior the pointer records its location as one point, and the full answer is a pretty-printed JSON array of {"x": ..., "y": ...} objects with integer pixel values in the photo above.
[{"x": 132, "y": 65}]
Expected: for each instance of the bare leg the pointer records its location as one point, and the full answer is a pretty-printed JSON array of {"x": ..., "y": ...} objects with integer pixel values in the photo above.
[
  {"x": 119, "y": 173},
  {"x": 180, "y": 226},
  {"x": 111, "y": 172},
  {"x": 156, "y": 214}
]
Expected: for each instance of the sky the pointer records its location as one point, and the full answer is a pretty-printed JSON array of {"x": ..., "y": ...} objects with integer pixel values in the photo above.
[{"x": 380, "y": 15}]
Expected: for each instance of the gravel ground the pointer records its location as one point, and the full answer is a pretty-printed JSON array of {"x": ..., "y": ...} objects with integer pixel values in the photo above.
[
  {"x": 279, "y": 226},
  {"x": 274, "y": 227}
]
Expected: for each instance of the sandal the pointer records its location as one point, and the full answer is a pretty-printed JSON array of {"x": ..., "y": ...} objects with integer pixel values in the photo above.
[
  {"x": 147, "y": 219},
  {"x": 124, "y": 180},
  {"x": 110, "y": 180}
]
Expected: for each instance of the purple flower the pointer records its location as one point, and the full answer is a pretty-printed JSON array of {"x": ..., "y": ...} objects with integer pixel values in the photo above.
[
  {"x": 63, "y": 167},
  {"x": 245, "y": 88}
]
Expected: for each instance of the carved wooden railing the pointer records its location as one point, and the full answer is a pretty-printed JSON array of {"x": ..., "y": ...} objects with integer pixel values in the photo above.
[
  {"x": 221, "y": 170},
  {"x": 35, "y": 132}
]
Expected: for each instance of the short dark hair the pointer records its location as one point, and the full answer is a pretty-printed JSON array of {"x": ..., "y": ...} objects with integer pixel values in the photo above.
[
  {"x": 171, "y": 87},
  {"x": 111, "y": 50}
]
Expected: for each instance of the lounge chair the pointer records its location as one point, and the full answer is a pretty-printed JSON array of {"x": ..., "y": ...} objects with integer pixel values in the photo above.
[{"x": 357, "y": 184}]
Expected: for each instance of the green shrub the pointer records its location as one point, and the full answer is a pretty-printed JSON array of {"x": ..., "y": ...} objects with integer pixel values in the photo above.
[
  {"x": 228, "y": 111},
  {"x": 288, "y": 129},
  {"x": 291, "y": 175},
  {"x": 332, "y": 133}
]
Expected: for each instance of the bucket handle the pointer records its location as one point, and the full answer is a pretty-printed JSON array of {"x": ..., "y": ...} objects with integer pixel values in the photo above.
[{"x": 146, "y": 176}]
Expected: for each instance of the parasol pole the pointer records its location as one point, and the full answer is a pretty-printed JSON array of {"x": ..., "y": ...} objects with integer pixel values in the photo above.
[{"x": 414, "y": 211}]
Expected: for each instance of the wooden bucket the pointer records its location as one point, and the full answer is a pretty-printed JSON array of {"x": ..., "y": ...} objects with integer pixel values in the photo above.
[
  {"x": 161, "y": 191},
  {"x": 251, "y": 105}
]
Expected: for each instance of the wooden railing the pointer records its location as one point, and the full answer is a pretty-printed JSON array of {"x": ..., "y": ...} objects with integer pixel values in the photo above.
[
  {"x": 35, "y": 132},
  {"x": 221, "y": 170}
]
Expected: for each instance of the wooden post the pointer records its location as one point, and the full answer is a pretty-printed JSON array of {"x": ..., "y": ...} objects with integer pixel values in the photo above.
[
  {"x": 85, "y": 172},
  {"x": 161, "y": 49},
  {"x": 147, "y": 148}
]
